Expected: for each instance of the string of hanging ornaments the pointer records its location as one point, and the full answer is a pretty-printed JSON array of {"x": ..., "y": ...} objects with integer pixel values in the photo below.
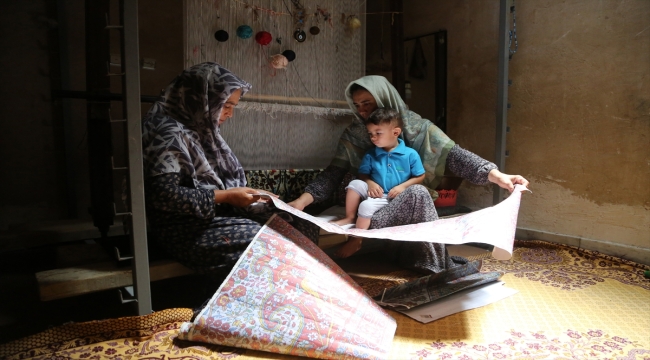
[
  {"x": 301, "y": 18},
  {"x": 300, "y": 15}
]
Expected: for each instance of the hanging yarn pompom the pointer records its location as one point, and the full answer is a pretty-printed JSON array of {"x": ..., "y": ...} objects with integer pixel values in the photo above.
[
  {"x": 278, "y": 61},
  {"x": 221, "y": 35},
  {"x": 299, "y": 35},
  {"x": 244, "y": 31},
  {"x": 354, "y": 22},
  {"x": 289, "y": 54},
  {"x": 314, "y": 30},
  {"x": 263, "y": 38}
]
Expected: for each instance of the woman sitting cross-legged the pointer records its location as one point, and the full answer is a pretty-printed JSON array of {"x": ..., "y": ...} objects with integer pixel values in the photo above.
[{"x": 198, "y": 206}]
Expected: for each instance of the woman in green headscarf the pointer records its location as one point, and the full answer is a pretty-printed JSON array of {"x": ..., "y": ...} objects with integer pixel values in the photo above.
[{"x": 415, "y": 204}]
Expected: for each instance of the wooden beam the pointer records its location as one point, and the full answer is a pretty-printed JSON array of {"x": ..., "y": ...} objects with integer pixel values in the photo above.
[
  {"x": 296, "y": 100},
  {"x": 53, "y": 232},
  {"x": 79, "y": 280}
]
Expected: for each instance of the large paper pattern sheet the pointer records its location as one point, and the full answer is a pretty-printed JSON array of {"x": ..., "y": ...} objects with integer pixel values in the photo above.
[
  {"x": 495, "y": 226},
  {"x": 285, "y": 295}
]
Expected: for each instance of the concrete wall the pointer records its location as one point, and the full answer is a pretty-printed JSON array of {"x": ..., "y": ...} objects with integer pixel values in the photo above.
[
  {"x": 580, "y": 115},
  {"x": 581, "y": 122}
]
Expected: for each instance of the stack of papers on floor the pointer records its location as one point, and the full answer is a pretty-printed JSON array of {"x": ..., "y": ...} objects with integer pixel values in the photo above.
[
  {"x": 435, "y": 296},
  {"x": 460, "y": 301}
]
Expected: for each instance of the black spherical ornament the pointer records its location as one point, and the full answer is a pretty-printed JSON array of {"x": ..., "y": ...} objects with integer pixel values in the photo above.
[
  {"x": 221, "y": 35},
  {"x": 299, "y": 35},
  {"x": 314, "y": 30},
  {"x": 290, "y": 55}
]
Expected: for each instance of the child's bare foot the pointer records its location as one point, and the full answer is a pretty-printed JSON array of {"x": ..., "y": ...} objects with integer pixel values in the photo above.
[
  {"x": 344, "y": 221},
  {"x": 349, "y": 248}
]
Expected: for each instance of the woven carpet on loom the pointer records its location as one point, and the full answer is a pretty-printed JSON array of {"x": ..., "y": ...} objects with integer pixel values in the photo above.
[{"x": 571, "y": 304}]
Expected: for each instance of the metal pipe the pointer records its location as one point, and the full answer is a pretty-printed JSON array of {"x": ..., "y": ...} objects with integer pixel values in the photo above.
[
  {"x": 141, "y": 279},
  {"x": 502, "y": 96}
]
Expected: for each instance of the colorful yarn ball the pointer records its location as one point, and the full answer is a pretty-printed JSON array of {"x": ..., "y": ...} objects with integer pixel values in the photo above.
[
  {"x": 244, "y": 31},
  {"x": 289, "y": 54},
  {"x": 354, "y": 22},
  {"x": 278, "y": 61},
  {"x": 221, "y": 35},
  {"x": 314, "y": 30},
  {"x": 263, "y": 38}
]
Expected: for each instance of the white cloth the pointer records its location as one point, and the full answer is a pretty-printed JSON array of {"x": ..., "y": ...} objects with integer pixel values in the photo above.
[{"x": 368, "y": 205}]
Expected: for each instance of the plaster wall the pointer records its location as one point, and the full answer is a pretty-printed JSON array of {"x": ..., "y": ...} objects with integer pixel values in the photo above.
[
  {"x": 580, "y": 115},
  {"x": 580, "y": 120}
]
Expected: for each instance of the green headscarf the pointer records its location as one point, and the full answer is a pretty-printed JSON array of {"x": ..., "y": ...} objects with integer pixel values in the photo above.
[{"x": 431, "y": 143}]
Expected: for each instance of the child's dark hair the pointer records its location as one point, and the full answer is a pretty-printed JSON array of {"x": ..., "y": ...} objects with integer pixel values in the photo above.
[{"x": 385, "y": 116}]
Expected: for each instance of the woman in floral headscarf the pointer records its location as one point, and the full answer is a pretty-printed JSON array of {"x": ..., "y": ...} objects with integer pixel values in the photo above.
[
  {"x": 415, "y": 204},
  {"x": 195, "y": 187}
]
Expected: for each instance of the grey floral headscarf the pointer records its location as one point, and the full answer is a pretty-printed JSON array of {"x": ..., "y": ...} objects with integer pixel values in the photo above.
[{"x": 180, "y": 133}]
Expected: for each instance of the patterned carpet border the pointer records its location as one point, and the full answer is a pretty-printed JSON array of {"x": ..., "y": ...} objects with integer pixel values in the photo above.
[
  {"x": 567, "y": 267},
  {"x": 593, "y": 344},
  {"x": 592, "y": 253},
  {"x": 92, "y": 332}
]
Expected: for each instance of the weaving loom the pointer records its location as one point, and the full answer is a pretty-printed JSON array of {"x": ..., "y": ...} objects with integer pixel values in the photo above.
[{"x": 300, "y": 111}]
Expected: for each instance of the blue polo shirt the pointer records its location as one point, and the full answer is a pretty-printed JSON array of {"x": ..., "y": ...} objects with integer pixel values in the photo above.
[{"x": 389, "y": 169}]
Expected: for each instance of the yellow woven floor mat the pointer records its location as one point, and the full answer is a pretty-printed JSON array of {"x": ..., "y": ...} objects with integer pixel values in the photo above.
[{"x": 571, "y": 304}]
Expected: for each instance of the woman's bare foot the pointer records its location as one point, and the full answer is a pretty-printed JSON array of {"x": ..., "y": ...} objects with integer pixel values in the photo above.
[
  {"x": 344, "y": 221},
  {"x": 349, "y": 248}
]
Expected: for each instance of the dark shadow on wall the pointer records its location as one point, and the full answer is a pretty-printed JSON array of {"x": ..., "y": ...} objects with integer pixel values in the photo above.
[{"x": 45, "y": 142}]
